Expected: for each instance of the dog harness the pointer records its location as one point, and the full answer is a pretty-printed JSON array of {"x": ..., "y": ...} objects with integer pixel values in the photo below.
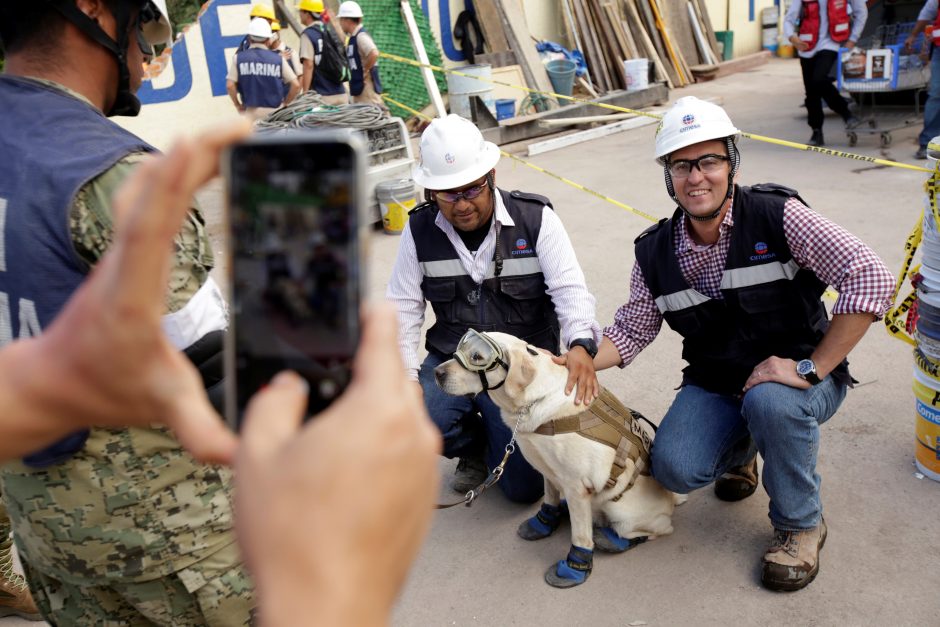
[{"x": 611, "y": 423}]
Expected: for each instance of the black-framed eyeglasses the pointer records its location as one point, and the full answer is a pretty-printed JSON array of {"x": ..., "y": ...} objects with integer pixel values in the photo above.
[
  {"x": 706, "y": 164},
  {"x": 469, "y": 194}
]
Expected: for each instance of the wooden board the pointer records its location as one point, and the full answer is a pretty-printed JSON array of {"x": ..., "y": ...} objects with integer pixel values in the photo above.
[
  {"x": 520, "y": 41},
  {"x": 614, "y": 56},
  {"x": 702, "y": 11},
  {"x": 589, "y": 33},
  {"x": 646, "y": 28},
  {"x": 491, "y": 24},
  {"x": 513, "y": 75}
]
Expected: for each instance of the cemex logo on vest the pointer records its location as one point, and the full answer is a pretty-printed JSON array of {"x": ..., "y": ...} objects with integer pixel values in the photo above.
[
  {"x": 760, "y": 250},
  {"x": 688, "y": 123},
  {"x": 522, "y": 248}
]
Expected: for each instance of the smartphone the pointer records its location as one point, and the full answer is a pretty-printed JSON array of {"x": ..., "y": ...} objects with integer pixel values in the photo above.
[{"x": 295, "y": 262}]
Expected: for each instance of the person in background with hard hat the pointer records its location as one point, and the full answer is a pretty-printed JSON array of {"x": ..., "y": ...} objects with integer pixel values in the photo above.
[
  {"x": 817, "y": 28},
  {"x": 258, "y": 9},
  {"x": 929, "y": 15},
  {"x": 365, "y": 86},
  {"x": 113, "y": 526},
  {"x": 287, "y": 53},
  {"x": 315, "y": 42},
  {"x": 739, "y": 272},
  {"x": 490, "y": 260},
  {"x": 258, "y": 77}
]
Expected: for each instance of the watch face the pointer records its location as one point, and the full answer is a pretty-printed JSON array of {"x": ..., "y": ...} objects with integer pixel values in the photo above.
[{"x": 805, "y": 367}]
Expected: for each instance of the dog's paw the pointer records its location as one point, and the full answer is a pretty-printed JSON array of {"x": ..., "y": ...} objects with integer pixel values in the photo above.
[
  {"x": 607, "y": 540},
  {"x": 679, "y": 499},
  {"x": 544, "y": 523},
  {"x": 571, "y": 571}
]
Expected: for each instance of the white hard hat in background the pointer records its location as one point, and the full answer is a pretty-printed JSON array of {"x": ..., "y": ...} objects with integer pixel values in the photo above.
[
  {"x": 690, "y": 121},
  {"x": 350, "y": 9},
  {"x": 158, "y": 31},
  {"x": 453, "y": 154},
  {"x": 259, "y": 28}
]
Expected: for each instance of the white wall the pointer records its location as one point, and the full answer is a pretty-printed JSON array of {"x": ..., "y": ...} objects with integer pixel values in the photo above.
[{"x": 735, "y": 15}]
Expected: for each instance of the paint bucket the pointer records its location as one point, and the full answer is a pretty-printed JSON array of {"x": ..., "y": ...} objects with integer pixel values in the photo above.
[
  {"x": 927, "y": 423},
  {"x": 396, "y": 199},
  {"x": 561, "y": 73},
  {"x": 461, "y": 88},
  {"x": 638, "y": 73},
  {"x": 768, "y": 19},
  {"x": 505, "y": 108}
]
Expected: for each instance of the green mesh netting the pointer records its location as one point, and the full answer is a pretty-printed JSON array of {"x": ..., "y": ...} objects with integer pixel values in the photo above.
[{"x": 402, "y": 82}]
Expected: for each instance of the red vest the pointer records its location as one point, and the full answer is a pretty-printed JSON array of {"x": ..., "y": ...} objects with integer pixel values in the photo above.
[
  {"x": 840, "y": 26},
  {"x": 934, "y": 36}
]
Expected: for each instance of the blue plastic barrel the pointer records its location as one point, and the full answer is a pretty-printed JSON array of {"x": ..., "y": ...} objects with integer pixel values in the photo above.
[{"x": 505, "y": 108}]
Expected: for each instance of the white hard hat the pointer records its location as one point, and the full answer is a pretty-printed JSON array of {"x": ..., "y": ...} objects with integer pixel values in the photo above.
[
  {"x": 690, "y": 121},
  {"x": 350, "y": 9},
  {"x": 453, "y": 153},
  {"x": 259, "y": 28},
  {"x": 158, "y": 31}
]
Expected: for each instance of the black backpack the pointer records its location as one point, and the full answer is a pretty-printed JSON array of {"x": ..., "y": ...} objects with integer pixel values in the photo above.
[{"x": 333, "y": 64}]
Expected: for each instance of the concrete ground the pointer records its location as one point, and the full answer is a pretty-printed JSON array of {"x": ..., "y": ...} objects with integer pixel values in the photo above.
[{"x": 879, "y": 564}]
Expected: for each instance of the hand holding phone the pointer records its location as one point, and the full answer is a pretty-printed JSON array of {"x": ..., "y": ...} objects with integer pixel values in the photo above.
[{"x": 295, "y": 263}]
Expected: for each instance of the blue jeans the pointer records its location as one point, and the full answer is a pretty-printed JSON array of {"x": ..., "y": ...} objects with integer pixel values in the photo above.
[
  {"x": 932, "y": 106},
  {"x": 467, "y": 433},
  {"x": 704, "y": 434}
]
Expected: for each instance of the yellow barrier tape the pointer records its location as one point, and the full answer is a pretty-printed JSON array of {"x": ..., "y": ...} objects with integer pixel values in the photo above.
[
  {"x": 612, "y": 201},
  {"x": 603, "y": 105}
]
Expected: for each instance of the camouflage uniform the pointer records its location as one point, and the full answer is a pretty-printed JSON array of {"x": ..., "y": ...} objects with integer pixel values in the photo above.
[{"x": 131, "y": 530}]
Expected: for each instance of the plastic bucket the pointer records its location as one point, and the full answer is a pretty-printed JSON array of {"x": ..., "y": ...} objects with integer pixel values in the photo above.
[
  {"x": 461, "y": 88},
  {"x": 505, "y": 108},
  {"x": 638, "y": 73},
  {"x": 396, "y": 198},
  {"x": 726, "y": 43},
  {"x": 561, "y": 73},
  {"x": 927, "y": 423}
]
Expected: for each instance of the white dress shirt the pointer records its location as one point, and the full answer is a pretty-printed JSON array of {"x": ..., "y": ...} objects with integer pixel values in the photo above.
[{"x": 574, "y": 304}]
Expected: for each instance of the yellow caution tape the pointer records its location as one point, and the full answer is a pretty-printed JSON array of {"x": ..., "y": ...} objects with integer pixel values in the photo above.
[
  {"x": 612, "y": 201},
  {"x": 603, "y": 105}
]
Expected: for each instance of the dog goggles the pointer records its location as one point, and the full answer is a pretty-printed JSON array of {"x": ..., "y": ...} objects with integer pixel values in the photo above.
[{"x": 478, "y": 352}]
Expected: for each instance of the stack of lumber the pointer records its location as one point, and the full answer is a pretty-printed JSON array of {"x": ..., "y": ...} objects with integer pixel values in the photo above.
[{"x": 675, "y": 35}]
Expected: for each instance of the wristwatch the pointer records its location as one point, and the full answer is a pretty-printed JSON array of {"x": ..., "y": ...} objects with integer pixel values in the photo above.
[
  {"x": 587, "y": 344},
  {"x": 806, "y": 370}
]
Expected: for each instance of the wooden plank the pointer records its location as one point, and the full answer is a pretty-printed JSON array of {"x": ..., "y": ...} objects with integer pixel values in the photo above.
[
  {"x": 663, "y": 68},
  {"x": 649, "y": 24},
  {"x": 667, "y": 42},
  {"x": 576, "y": 38},
  {"x": 702, "y": 11},
  {"x": 631, "y": 49},
  {"x": 704, "y": 49},
  {"x": 614, "y": 56},
  {"x": 676, "y": 17},
  {"x": 520, "y": 41},
  {"x": 571, "y": 139},
  {"x": 426, "y": 73},
  {"x": 601, "y": 76},
  {"x": 491, "y": 24},
  {"x": 498, "y": 59}
]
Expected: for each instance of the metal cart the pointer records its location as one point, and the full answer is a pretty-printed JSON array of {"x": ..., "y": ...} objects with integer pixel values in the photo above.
[{"x": 888, "y": 68}]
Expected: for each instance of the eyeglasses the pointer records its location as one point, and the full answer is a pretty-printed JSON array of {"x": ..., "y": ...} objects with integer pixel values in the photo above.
[
  {"x": 469, "y": 194},
  {"x": 706, "y": 164}
]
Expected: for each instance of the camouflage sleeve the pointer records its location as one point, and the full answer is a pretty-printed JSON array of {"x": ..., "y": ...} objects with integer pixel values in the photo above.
[{"x": 91, "y": 226}]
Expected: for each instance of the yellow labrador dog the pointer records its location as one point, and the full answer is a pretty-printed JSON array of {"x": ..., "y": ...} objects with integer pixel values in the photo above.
[{"x": 597, "y": 459}]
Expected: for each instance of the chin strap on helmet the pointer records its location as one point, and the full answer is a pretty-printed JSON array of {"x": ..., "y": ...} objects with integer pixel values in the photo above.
[
  {"x": 735, "y": 157},
  {"x": 125, "y": 102}
]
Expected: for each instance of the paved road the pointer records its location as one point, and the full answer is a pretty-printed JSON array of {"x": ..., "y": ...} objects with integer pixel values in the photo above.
[{"x": 880, "y": 561}]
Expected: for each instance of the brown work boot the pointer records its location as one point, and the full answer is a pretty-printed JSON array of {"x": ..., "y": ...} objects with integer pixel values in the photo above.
[
  {"x": 470, "y": 472},
  {"x": 15, "y": 598},
  {"x": 792, "y": 561},
  {"x": 738, "y": 483}
]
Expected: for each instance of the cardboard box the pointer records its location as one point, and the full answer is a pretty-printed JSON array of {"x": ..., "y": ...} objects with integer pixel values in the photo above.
[
  {"x": 878, "y": 64},
  {"x": 853, "y": 64}
]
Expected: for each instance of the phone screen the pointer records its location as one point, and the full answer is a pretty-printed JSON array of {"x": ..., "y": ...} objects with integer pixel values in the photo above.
[{"x": 295, "y": 265}]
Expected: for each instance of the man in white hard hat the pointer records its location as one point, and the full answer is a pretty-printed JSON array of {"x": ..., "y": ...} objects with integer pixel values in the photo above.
[
  {"x": 262, "y": 10},
  {"x": 739, "y": 272},
  {"x": 490, "y": 260},
  {"x": 259, "y": 79},
  {"x": 365, "y": 85},
  {"x": 113, "y": 526}
]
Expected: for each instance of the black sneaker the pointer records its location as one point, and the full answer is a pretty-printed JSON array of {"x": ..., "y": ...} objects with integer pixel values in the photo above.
[
  {"x": 852, "y": 122},
  {"x": 817, "y": 138},
  {"x": 921, "y": 153},
  {"x": 470, "y": 472}
]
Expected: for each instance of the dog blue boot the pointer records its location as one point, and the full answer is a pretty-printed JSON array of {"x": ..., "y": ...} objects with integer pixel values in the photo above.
[
  {"x": 571, "y": 571},
  {"x": 607, "y": 540},
  {"x": 544, "y": 523}
]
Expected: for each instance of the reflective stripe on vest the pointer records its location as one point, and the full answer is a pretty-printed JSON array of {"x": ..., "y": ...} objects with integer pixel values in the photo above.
[{"x": 453, "y": 267}]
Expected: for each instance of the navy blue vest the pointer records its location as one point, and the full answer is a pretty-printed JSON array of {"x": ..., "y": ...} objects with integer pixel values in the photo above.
[
  {"x": 260, "y": 81},
  {"x": 54, "y": 144},
  {"x": 770, "y": 306},
  {"x": 245, "y": 44},
  {"x": 513, "y": 297},
  {"x": 357, "y": 78},
  {"x": 320, "y": 83}
]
